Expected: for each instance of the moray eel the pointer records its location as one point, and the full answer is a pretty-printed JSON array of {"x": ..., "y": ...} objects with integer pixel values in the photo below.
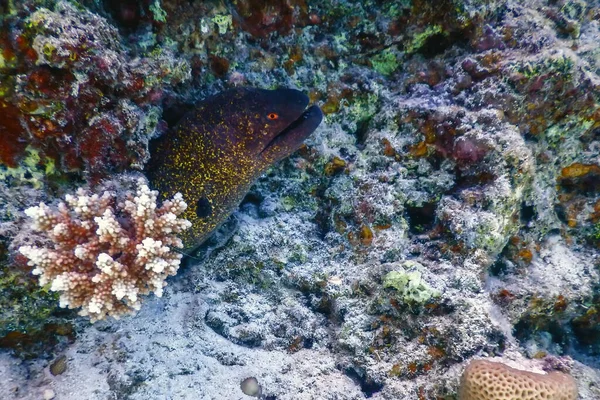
[{"x": 218, "y": 149}]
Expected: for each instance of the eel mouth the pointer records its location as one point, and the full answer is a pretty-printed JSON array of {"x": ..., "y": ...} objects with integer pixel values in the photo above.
[{"x": 291, "y": 138}]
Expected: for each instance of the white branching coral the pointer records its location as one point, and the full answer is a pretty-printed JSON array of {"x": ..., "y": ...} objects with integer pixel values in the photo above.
[{"x": 106, "y": 254}]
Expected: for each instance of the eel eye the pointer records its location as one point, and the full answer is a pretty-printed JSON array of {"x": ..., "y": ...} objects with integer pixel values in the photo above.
[
  {"x": 273, "y": 116},
  {"x": 203, "y": 207}
]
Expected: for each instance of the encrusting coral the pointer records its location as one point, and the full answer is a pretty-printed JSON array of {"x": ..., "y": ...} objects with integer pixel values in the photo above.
[
  {"x": 105, "y": 253},
  {"x": 486, "y": 380}
]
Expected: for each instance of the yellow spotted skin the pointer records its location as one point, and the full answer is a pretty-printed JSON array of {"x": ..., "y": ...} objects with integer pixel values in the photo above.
[{"x": 217, "y": 151}]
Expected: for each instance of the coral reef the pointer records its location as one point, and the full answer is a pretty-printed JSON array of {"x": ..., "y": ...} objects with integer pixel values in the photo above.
[
  {"x": 460, "y": 140},
  {"x": 486, "y": 380},
  {"x": 72, "y": 92},
  {"x": 104, "y": 255}
]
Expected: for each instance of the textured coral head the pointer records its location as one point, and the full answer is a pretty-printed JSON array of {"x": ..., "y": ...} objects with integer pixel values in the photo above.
[{"x": 485, "y": 380}]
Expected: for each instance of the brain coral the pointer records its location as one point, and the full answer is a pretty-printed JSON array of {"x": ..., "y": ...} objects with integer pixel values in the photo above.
[{"x": 486, "y": 380}]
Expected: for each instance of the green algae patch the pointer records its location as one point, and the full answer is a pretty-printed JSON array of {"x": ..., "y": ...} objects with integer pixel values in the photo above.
[
  {"x": 157, "y": 11},
  {"x": 223, "y": 22},
  {"x": 409, "y": 285},
  {"x": 32, "y": 170},
  {"x": 421, "y": 38},
  {"x": 385, "y": 62},
  {"x": 24, "y": 305}
]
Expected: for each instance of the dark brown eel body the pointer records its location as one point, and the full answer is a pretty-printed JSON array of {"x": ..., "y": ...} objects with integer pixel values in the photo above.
[{"x": 221, "y": 147}]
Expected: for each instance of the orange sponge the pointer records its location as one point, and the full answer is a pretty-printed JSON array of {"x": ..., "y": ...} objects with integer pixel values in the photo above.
[{"x": 486, "y": 380}]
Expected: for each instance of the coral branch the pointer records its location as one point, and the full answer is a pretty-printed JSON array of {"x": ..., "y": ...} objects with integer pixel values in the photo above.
[{"x": 104, "y": 254}]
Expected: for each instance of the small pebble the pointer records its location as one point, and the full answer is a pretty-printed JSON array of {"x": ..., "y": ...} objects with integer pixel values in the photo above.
[
  {"x": 49, "y": 394},
  {"x": 59, "y": 365},
  {"x": 251, "y": 387}
]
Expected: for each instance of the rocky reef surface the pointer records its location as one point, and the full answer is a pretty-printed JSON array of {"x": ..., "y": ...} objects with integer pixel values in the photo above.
[{"x": 447, "y": 208}]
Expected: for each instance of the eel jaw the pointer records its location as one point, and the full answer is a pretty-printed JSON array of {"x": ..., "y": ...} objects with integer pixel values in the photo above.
[{"x": 290, "y": 139}]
